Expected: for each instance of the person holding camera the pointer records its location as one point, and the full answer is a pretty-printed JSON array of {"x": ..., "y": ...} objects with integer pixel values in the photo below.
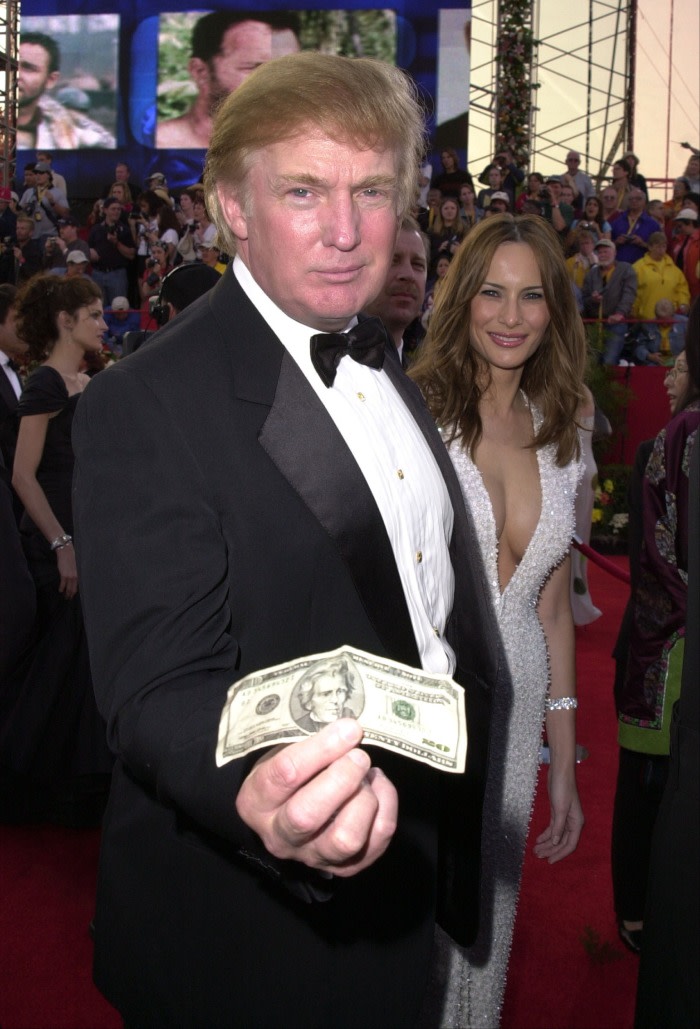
[
  {"x": 157, "y": 267},
  {"x": 28, "y": 254},
  {"x": 57, "y": 248},
  {"x": 44, "y": 203},
  {"x": 553, "y": 208},
  {"x": 111, "y": 249}
]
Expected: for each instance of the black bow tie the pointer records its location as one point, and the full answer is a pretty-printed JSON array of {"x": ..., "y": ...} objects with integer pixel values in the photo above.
[{"x": 365, "y": 343}]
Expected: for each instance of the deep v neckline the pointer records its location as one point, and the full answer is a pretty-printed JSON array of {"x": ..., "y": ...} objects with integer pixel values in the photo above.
[{"x": 502, "y": 590}]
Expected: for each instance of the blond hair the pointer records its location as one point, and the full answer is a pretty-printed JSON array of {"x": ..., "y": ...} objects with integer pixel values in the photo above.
[{"x": 359, "y": 100}]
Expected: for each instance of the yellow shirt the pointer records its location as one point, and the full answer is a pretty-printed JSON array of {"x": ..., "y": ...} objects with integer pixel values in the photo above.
[{"x": 658, "y": 280}]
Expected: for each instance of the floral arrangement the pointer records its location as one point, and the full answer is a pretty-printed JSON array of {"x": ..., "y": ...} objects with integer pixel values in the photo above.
[
  {"x": 516, "y": 45},
  {"x": 610, "y": 516}
]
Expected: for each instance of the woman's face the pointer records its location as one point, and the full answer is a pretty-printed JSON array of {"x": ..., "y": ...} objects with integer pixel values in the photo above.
[
  {"x": 186, "y": 204},
  {"x": 449, "y": 211},
  {"x": 509, "y": 314},
  {"x": 585, "y": 245},
  {"x": 676, "y": 381},
  {"x": 448, "y": 161},
  {"x": 87, "y": 327},
  {"x": 679, "y": 189},
  {"x": 534, "y": 184},
  {"x": 466, "y": 195},
  {"x": 592, "y": 207},
  {"x": 199, "y": 210},
  {"x": 441, "y": 267},
  {"x": 118, "y": 192},
  {"x": 160, "y": 254}
]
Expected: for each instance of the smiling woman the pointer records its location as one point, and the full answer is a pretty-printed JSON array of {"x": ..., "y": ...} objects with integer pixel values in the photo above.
[
  {"x": 502, "y": 370},
  {"x": 56, "y": 750}
]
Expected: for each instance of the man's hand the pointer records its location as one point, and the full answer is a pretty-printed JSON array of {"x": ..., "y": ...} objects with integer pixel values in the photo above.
[{"x": 320, "y": 802}]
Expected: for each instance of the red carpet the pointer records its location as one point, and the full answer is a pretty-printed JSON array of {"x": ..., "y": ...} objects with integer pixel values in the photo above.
[{"x": 568, "y": 968}]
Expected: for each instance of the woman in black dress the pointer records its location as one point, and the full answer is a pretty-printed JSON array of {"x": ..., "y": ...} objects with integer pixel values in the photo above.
[{"x": 53, "y": 742}]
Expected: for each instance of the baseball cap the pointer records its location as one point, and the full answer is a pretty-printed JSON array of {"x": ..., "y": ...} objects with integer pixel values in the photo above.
[
  {"x": 500, "y": 195},
  {"x": 42, "y": 166},
  {"x": 5, "y": 193},
  {"x": 120, "y": 304},
  {"x": 156, "y": 177},
  {"x": 67, "y": 221},
  {"x": 76, "y": 257},
  {"x": 685, "y": 214},
  {"x": 604, "y": 243}
]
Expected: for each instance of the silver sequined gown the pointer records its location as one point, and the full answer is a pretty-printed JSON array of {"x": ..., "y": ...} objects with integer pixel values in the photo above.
[{"x": 477, "y": 976}]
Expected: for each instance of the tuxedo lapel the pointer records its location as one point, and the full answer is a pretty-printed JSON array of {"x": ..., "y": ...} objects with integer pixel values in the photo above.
[
  {"x": 7, "y": 394},
  {"x": 302, "y": 440}
]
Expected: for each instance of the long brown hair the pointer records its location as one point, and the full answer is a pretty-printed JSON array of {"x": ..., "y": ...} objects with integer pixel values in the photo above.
[{"x": 450, "y": 371}]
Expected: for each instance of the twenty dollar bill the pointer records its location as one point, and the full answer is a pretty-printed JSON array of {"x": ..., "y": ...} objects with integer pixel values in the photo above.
[{"x": 400, "y": 708}]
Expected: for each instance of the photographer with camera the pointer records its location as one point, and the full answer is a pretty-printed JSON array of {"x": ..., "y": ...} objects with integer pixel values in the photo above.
[
  {"x": 58, "y": 248},
  {"x": 552, "y": 207},
  {"x": 44, "y": 203},
  {"x": 111, "y": 250},
  {"x": 27, "y": 251},
  {"x": 157, "y": 267}
]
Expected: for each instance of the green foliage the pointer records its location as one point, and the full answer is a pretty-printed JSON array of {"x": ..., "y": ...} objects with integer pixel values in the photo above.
[{"x": 610, "y": 396}]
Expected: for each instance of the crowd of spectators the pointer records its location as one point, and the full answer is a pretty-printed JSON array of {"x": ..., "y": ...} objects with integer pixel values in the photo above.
[
  {"x": 130, "y": 239},
  {"x": 634, "y": 263}
]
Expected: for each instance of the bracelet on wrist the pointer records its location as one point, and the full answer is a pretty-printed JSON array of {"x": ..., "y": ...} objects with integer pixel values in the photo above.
[
  {"x": 561, "y": 704},
  {"x": 61, "y": 541}
]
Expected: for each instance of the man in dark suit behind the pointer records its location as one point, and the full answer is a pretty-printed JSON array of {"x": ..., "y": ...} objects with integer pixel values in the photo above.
[
  {"x": 236, "y": 507},
  {"x": 11, "y": 348}
]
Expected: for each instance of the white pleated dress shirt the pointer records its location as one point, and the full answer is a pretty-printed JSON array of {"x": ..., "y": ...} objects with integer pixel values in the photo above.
[{"x": 399, "y": 468}]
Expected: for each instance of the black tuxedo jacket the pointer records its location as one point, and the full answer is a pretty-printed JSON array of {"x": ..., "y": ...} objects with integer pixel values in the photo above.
[
  {"x": 8, "y": 420},
  {"x": 222, "y": 526}
]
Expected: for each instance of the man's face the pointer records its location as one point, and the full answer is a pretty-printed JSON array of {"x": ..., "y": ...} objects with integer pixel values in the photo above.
[
  {"x": 42, "y": 180},
  {"x": 434, "y": 198},
  {"x": 609, "y": 198},
  {"x": 328, "y": 698},
  {"x": 319, "y": 226},
  {"x": 605, "y": 255},
  {"x": 619, "y": 175},
  {"x": 637, "y": 200},
  {"x": 567, "y": 195},
  {"x": 30, "y": 178},
  {"x": 24, "y": 231},
  {"x": 33, "y": 76},
  {"x": 9, "y": 342},
  {"x": 243, "y": 48},
  {"x": 68, "y": 233},
  {"x": 497, "y": 207},
  {"x": 554, "y": 187},
  {"x": 494, "y": 177},
  {"x": 402, "y": 295},
  {"x": 112, "y": 214},
  {"x": 121, "y": 173},
  {"x": 572, "y": 163}
]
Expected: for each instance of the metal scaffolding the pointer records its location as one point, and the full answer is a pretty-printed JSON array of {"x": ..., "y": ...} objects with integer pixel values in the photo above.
[
  {"x": 581, "y": 82},
  {"x": 9, "y": 25}
]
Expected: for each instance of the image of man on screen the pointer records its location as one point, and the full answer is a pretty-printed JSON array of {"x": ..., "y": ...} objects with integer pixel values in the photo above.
[
  {"x": 43, "y": 122},
  {"x": 226, "y": 47}
]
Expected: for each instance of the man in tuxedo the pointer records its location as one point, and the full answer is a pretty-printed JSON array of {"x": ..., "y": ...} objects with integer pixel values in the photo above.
[{"x": 249, "y": 500}]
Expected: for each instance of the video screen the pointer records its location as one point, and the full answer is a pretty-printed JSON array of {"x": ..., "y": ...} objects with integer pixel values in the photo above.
[
  {"x": 139, "y": 85},
  {"x": 67, "y": 82}
]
